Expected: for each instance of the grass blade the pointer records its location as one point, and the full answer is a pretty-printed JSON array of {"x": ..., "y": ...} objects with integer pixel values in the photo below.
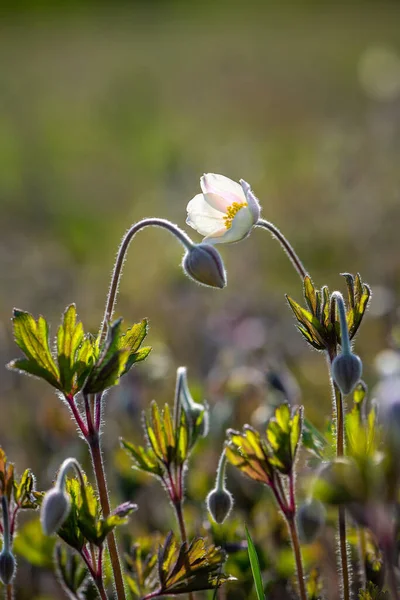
[{"x": 255, "y": 566}]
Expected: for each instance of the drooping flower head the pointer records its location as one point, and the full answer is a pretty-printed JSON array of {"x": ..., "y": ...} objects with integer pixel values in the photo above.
[{"x": 225, "y": 212}]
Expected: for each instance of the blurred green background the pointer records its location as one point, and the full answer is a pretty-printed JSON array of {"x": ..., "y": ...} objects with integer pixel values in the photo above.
[{"x": 110, "y": 112}]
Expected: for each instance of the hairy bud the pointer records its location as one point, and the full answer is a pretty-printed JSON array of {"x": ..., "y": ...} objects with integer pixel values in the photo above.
[
  {"x": 7, "y": 566},
  {"x": 219, "y": 504},
  {"x": 346, "y": 372},
  {"x": 55, "y": 509},
  {"x": 203, "y": 263},
  {"x": 310, "y": 520}
]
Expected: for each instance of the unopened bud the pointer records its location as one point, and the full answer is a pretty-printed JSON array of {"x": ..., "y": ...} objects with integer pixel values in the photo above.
[
  {"x": 346, "y": 372},
  {"x": 55, "y": 509},
  {"x": 7, "y": 566},
  {"x": 219, "y": 504},
  {"x": 310, "y": 520},
  {"x": 203, "y": 263}
]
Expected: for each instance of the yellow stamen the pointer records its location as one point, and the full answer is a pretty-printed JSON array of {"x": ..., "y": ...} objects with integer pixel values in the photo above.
[{"x": 231, "y": 212}]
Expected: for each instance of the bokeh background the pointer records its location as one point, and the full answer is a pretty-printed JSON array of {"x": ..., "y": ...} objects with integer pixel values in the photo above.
[{"x": 110, "y": 112}]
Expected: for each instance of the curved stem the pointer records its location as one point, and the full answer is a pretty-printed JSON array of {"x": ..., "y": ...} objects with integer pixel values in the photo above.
[
  {"x": 98, "y": 581},
  {"x": 337, "y": 299},
  {"x": 70, "y": 462},
  {"x": 119, "y": 263},
  {"x": 98, "y": 466},
  {"x": 296, "y": 262},
  {"x": 297, "y": 555}
]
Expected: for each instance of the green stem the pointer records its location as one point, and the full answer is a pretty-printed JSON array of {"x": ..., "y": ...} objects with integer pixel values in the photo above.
[
  {"x": 98, "y": 466},
  {"x": 119, "y": 263},
  {"x": 288, "y": 248},
  {"x": 297, "y": 555},
  {"x": 342, "y": 512}
]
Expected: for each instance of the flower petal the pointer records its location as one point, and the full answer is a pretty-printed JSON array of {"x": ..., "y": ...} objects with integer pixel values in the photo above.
[
  {"x": 203, "y": 217},
  {"x": 242, "y": 224},
  {"x": 252, "y": 201},
  {"x": 229, "y": 190}
]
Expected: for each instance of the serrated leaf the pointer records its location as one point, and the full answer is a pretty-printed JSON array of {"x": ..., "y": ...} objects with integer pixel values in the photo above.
[
  {"x": 283, "y": 435},
  {"x": 247, "y": 453},
  {"x": 69, "y": 338},
  {"x": 110, "y": 365},
  {"x": 24, "y": 491},
  {"x": 313, "y": 440},
  {"x": 132, "y": 340},
  {"x": 144, "y": 458},
  {"x": 255, "y": 566},
  {"x": 32, "y": 337},
  {"x": 308, "y": 321},
  {"x": 184, "y": 569}
]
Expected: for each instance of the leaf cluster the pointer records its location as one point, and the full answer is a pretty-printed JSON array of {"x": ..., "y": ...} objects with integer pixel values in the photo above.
[
  {"x": 319, "y": 322},
  {"x": 178, "y": 569},
  {"x": 81, "y": 362},
  {"x": 21, "y": 492},
  {"x": 260, "y": 458},
  {"x": 168, "y": 444},
  {"x": 85, "y": 523}
]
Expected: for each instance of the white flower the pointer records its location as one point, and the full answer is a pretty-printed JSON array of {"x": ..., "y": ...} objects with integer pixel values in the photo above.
[{"x": 225, "y": 212}]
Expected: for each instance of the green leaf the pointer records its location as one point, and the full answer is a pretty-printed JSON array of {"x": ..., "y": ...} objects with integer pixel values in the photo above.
[
  {"x": 184, "y": 569},
  {"x": 313, "y": 440},
  {"x": 248, "y": 453},
  {"x": 144, "y": 458},
  {"x": 69, "y": 338},
  {"x": 360, "y": 393},
  {"x": 33, "y": 545},
  {"x": 308, "y": 322},
  {"x": 33, "y": 339},
  {"x": 25, "y": 494},
  {"x": 132, "y": 340},
  {"x": 283, "y": 434},
  {"x": 255, "y": 566},
  {"x": 6, "y": 475},
  {"x": 310, "y": 295},
  {"x": 111, "y": 363},
  {"x": 71, "y": 570}
]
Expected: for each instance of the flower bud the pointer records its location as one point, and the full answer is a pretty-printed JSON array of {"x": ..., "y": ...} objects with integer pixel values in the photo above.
[
  {"x": 203, "y": 263},
  {"x": 219, "y": 504},
  {"x": 310, "y": 520},
  {"x": 55, "y": 509},
  {"x": 7, "y": 566},
  {"x": 346, "y": 372}
]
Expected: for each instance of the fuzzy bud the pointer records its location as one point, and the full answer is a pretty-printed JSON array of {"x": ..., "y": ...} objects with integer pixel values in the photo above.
[
  {"x": 55, "y": 509},
  {"x": 219, "y": 504},
  {"x": 203, "y": 263},
  {"x": 346, "y": 372},
  {"x": 310, "y": 520},
  {"x": 7, "y": 566}
]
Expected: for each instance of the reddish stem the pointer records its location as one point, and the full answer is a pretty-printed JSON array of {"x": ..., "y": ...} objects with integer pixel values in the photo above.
[{"x": 74, "y": 409}]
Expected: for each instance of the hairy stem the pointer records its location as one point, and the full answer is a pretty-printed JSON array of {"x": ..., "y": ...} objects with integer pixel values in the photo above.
[
  {"x": 297, "y": 555},
  {"x": 98, "y": 466},
  {"x": 342, "y": 513},
  {"x": 119, "y": 263},
  {"x": 295, "y": 260}
]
